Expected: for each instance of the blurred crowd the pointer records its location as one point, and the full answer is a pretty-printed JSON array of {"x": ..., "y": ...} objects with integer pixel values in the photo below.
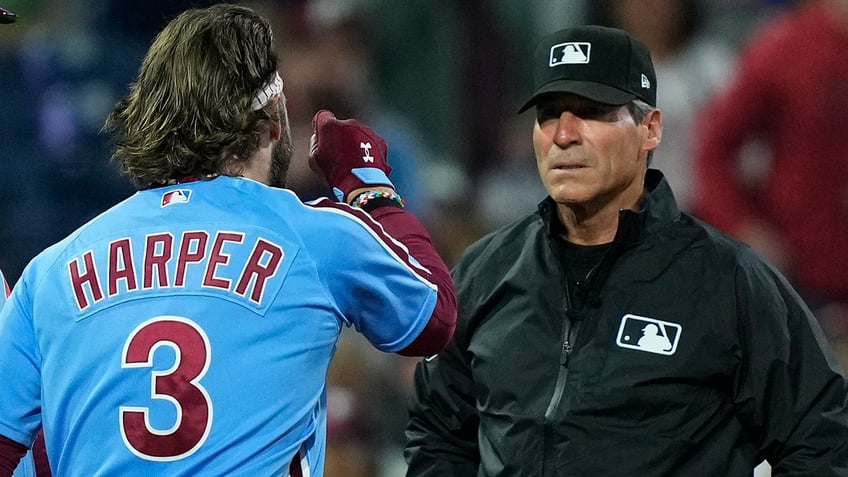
[{"x": 441, "y": 81}]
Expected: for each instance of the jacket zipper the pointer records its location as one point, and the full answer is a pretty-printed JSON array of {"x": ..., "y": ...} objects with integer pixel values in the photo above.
[
  {"x": 548, "y": 465},
  {"x": 562, "y": 375},
  {"x": 565, "y": 351}
]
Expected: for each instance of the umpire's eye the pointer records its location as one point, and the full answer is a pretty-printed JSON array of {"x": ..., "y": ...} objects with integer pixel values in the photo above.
[
  {"x": 598, "y": 112},
  {"x": 590, "y": 111},
  {"x": 547, "y": 112}
]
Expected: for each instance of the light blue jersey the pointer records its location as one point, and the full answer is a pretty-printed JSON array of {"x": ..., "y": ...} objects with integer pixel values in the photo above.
[{"x": 189, "y": 329}]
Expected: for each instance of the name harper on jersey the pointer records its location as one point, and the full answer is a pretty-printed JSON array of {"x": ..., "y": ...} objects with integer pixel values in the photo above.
[{"x": 201, "y": 259}]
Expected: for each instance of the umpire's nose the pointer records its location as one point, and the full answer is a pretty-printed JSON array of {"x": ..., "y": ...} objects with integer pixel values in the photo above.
[{"x": 568, "y": 129}]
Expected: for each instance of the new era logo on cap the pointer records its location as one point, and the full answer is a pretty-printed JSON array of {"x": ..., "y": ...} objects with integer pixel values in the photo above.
[{"x": 570, "y": 53}]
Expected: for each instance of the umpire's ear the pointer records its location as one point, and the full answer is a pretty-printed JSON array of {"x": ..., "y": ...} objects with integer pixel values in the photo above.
[{"x": 653, "y": 123}]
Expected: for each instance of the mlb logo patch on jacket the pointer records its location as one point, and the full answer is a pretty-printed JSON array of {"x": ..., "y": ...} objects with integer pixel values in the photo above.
[{"x": 648, "y": 334}]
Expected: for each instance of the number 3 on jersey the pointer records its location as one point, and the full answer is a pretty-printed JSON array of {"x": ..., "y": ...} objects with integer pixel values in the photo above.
[{"x": 180, "y": 385}]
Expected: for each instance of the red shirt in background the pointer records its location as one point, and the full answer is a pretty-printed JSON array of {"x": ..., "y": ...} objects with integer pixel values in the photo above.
[{"x": 791, "y": 93}]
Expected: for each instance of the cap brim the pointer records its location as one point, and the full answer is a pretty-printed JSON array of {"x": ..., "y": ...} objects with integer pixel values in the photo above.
[{"x": 588, "y": 89}]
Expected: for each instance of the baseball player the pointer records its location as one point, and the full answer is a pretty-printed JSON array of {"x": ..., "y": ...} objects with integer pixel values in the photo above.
[{"x": 188, "y": 330}]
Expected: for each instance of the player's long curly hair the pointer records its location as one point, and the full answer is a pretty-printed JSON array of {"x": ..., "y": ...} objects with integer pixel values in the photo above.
[{"x": 189, "y": 112}]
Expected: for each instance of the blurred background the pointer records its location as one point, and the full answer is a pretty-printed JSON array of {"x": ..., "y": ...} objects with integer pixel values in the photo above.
[{"x": 440, "y": 80}]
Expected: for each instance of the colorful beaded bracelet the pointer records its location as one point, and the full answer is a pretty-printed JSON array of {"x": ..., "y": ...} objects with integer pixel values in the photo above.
[{"x": 365, "y": 197}]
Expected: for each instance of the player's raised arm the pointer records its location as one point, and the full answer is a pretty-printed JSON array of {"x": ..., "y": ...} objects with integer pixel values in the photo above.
[{"x": 353, "y": 160}]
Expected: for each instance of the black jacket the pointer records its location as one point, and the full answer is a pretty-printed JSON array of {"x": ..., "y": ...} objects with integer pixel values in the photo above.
[{"x": 733, "y": 368}]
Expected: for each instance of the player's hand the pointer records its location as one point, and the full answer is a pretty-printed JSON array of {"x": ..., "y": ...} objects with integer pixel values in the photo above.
[{"x": 349, "y": 155}]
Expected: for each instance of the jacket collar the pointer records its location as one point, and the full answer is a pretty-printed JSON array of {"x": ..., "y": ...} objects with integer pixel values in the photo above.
[{"x": 657, "y": 209}]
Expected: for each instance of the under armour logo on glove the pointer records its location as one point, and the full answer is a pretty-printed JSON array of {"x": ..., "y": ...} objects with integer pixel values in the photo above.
[
  {"x": 336, "y": 152},
  {"x": 366, "y": 146}
]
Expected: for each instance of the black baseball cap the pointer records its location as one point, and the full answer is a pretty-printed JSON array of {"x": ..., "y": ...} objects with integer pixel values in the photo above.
[
  {"x": 603, "y": 64},
  {"x": 6, "y": 16}
]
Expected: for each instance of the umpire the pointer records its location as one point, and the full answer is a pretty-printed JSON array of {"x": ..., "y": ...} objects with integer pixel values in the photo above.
[{"x": 610, "y": 334}]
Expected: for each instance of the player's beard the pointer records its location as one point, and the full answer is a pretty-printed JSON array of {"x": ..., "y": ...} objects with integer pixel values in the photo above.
[{"x": 280, "y": 160}]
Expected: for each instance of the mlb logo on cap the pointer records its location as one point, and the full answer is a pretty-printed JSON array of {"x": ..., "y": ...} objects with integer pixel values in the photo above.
[
  {"x": 570, "y": 53},
  {"x": 603, "y": 64}
]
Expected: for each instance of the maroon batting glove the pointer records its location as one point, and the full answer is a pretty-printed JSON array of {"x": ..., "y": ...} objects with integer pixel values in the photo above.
[{"x": 348, "y": 154}]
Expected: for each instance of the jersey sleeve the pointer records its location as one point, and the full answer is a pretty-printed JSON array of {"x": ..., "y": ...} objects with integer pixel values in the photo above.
[
  {"x": 20, "y": 403},
  {"x": 373, "y": 281}
]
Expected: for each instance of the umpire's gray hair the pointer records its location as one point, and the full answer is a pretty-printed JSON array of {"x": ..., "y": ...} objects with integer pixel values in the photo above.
[{"x": 639, "y": 110}]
